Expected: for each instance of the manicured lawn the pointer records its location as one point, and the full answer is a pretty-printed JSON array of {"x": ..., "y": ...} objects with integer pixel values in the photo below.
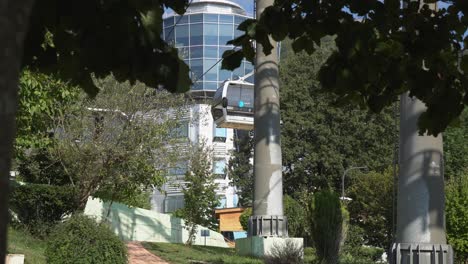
[
  {"x": 20, "y": 242},
  {"x": 181, "y": 254}
]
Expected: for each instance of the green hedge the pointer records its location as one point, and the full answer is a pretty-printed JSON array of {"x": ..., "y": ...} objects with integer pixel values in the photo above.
[
  {"x": 39, "y": 206},
  {"x": 80, "y": 240}
]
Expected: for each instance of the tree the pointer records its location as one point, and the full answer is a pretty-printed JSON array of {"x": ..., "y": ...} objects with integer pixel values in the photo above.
[
  {"x": 116, "y": 144},
  {"x": 455, "y": 148},
  {"x": 371, "y": 206},
  {"x": 382, "y": 50},
  {"x": 321, "y": 139},
  {"x": 329, "y": 221},
  {"x": 41, "y": 98},
  {"x": 457, "y": 215},
  {"x": 42, "y": 167},
  {"x": 240, "y": 167},
  {"x": 297, "y": 219},
  {"x": 77, "y": 40},
  {"x": 199, "y": 192}
]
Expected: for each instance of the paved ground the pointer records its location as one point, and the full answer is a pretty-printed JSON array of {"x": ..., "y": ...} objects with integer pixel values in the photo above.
[{"x": 137, "y": 254}]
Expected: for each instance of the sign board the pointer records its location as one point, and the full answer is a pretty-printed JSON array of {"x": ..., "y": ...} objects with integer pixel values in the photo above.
[{"x": 205, "y": 233}]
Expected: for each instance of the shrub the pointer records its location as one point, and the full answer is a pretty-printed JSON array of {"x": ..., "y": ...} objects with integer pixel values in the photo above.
[
  {"x": 244, "y": 218},
  {"x": 81, "y": 240},
  {"x": 328, "y": 224},
  {"x": 37, "y": 207},
  {"x": 289, "y": 253},
  {"x": 362, "y": 255}
]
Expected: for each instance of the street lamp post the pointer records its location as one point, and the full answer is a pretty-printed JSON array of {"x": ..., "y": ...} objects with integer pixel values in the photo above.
[{"x": 344, "y": 175}]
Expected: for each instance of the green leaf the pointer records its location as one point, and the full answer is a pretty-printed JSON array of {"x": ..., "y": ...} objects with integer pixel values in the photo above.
[
  {"x": 232, "y": 59},
  {"x": 303, "y": 43}
]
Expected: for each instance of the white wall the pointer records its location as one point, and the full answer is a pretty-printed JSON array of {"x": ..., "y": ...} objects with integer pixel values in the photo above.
[{"x": 137, "y": 224}]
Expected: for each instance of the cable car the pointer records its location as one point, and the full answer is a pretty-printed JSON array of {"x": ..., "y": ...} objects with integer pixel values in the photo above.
[{"x": 233, "y": 105}]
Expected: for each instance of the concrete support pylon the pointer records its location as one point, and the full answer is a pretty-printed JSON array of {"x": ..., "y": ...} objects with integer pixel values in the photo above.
[
  {"x": 268, "y": 228},
  {"x": 420, "y": 235},
  {"x": 267, "y": 219}
]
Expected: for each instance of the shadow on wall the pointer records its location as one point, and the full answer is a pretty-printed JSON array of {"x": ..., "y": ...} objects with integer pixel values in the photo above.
[{"x": 136, "y": 224}]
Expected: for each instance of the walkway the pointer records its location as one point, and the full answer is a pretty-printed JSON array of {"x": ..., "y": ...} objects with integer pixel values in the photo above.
[{"x": 137, "y": 254}]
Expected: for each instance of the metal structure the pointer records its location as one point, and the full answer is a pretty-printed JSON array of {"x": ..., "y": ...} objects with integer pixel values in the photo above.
[
  {"x": 267, "y": 219},
  {"x": 233, "y": 104}
]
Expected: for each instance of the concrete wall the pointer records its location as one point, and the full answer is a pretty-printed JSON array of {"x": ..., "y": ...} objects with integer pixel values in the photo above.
[{"x": 136, "y": 224}]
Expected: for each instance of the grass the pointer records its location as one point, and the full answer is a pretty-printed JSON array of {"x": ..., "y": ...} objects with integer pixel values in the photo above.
[
  {"x": 181, "y": 254},
  {"x": 20, "y": 242}
]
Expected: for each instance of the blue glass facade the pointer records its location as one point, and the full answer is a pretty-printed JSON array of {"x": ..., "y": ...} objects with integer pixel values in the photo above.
[{"x": 201, "y": 40}]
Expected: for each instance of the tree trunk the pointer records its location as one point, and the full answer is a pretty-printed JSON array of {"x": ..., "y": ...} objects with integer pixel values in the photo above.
[{"x": 14, "y": 17}]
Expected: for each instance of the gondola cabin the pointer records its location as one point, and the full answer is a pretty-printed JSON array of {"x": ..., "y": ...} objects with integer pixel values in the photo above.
[{"x": 233, "y": 105}]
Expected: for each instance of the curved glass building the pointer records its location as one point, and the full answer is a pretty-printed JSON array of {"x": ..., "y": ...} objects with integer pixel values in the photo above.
[{"x": 201, "y": 36}]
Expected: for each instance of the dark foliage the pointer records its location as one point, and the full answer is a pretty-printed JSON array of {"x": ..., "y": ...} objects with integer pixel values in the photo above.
[{"x": 38, "y": 207}]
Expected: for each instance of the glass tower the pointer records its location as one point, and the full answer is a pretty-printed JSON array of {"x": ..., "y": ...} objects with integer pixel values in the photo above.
[{"x": 201, "y": 36}]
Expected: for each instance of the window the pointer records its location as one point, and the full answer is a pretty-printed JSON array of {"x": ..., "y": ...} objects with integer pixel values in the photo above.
[
  {"x": 225, "y": 19},
  {"x": 239, "y": 19},
  {"x": 196, "y": 34},
  {"x": 172, "y": 203},
  {"x": 211, "y": 52},
  {"x": 239, "y": 71},
  {"x": 196, "y": 18},
  {"x": 219, "y": 167},
  {"x": 210, "y": 18},
  {"x": 180, "y": 131},
  {"x": 196, "y": 52},
  {"x": 248, "y": 69},
  {"x": 239, "y": 96},
  {"x": 197, "y": 68},
  {"x": 224, "y": 74},
  {"x": 219, "y": 134},
  {"x": 213, "y": 86},
  {"x": 178, "y": 170},
  {"x": 225, "y": 33},
  {"x": 182, "y": 35},
  {"x": 212, "y": 74},
  {"x": 169, "y": 35},
  {"x": 210, "y": 33},
  {"x": 168, "y": 21},
  {"x": 183, "y": 19}
]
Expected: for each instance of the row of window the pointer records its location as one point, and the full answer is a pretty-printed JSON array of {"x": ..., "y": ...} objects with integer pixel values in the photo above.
[
  {"x": 172, "y": 203},
  {"x": 204, "y": 67},
  {"x": 206, "y": 51},
  {"x": 178, "y": 171},
  {"x": 198, "y": 18},
  {"x": 182, "y": 131},
  {"x": 201, "y": 34}
]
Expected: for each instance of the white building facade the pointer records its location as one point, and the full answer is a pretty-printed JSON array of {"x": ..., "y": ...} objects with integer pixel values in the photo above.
[{"x": 200, "y": 36}]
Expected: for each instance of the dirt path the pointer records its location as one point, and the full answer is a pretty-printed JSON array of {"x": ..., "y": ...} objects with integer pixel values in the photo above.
[{"x": 137, "y": 254}]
